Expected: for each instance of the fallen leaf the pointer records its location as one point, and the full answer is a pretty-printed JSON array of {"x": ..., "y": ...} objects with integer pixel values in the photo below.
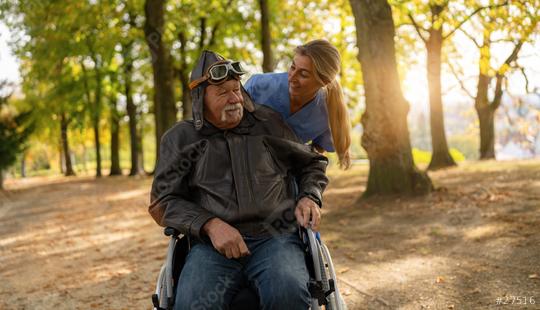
[
  {"x": 343, "y": 270},
  {"x": 475, "y": 291},
  {"x": 439, "y": 280},
  {"x": 451, "y": 307},
  {"x": 534, "y": 276},
  {"x": 346, "y": 292}
]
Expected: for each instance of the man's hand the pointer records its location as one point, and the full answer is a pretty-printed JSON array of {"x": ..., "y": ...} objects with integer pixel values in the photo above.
[
  {"x": 225, "y": 238},
  {"x": 308, "y": 211}
]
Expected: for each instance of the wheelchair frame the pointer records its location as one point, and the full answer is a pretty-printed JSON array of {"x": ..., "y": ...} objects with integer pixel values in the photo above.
[{"x": 322, "y": 284}]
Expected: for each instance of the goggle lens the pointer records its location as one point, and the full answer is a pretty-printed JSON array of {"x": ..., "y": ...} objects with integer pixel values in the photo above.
[
  {"x": 219, "y": 72},
  {"x": 237, "y": 67}
]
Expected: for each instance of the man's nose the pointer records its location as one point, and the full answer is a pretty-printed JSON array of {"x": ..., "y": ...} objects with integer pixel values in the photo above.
[{"x": 234, "y": 98}]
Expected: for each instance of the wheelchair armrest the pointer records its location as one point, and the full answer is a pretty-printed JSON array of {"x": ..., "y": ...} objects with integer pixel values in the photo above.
[{"x": 170, "y": 231}]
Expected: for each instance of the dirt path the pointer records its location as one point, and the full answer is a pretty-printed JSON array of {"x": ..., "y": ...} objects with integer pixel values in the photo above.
[{"x": 86, "y": 244}]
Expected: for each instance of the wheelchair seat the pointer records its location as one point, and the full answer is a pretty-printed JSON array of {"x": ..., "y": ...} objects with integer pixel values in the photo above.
[{"x": 322, "y": 284}]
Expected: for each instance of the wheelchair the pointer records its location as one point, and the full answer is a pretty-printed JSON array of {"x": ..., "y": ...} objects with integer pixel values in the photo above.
[{"x": 322, "y": 279}]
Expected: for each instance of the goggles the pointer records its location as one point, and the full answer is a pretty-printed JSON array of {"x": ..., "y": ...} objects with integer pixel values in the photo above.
[{"x": 218, "y": 72}]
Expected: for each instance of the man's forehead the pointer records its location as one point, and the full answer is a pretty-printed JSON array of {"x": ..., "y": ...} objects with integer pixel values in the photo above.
[{"x": 230, "y": 84}]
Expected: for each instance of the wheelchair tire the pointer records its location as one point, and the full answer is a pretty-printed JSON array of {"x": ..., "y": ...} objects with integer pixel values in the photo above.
[
  {"x": 324, "y": 275},
  {"x": 160, "y": 300},
  {"x": 335, "y": 299}
]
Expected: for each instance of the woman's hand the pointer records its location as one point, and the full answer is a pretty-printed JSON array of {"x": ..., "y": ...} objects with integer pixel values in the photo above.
[{"x": 308, "y": 212}]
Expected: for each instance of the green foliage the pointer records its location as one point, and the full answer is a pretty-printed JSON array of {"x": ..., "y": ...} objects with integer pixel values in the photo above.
[
  {"x": 73, "y": 56},
  {"x": 420, "y": 156},
  {"x": 14, "y": 131},
  {"x": 424, "y": 157}
]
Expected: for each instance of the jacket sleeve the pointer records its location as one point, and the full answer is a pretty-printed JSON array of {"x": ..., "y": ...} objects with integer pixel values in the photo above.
[
  {"x": 171, "y": 201},
  {"x": 307, "y": 166}
]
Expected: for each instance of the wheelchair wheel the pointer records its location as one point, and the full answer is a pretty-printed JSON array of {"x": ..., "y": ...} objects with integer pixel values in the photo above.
[
  {"x": 163, "y": 299},
  {"x": 324, "y": 273},
  {"x": 159, "y": 299},
  {"x": 325, "y": 276},
  {"x": 336, "y": 300}
]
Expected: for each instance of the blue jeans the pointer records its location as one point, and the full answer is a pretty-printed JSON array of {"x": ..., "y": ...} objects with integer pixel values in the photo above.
[{"x": 276, "y": 269}]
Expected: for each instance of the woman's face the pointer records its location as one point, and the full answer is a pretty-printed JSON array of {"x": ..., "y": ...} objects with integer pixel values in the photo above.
[{"x": 302, "y": 79}]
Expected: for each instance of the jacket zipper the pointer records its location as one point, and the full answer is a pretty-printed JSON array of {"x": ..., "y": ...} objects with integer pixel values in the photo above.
[{"x": 250, "y": 183}]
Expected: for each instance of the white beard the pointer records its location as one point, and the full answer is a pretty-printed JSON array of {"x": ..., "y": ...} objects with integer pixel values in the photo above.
[{"x": 230, "y": 107}]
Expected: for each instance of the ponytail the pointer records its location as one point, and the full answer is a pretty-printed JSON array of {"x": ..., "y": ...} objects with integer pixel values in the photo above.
[{"x": 338, "y": 117}]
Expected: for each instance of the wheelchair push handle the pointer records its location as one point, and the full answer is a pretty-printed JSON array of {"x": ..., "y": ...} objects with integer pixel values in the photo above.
[{"x": 170, "y": 231}]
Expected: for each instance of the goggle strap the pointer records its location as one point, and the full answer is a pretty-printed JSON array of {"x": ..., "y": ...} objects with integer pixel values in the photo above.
[{"x": 198, "y": 81}]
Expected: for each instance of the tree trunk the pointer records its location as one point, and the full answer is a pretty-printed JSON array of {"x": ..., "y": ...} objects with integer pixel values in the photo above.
[
  {"x": 96, "y": 104},
  {"x": 386, "y": 134},
  {"x": 187, "y": 108},
  {"x": 97, "y": 143},
  {"x": 84, "y": 158},
  {"x": 1, "y": 179},
  {"x": 61, "y": 157},
  {"x": 440, "y": 155},
  {"x": 485, "y": 108},
  {"x": 164, "y": 103},
  {"x": 65, "y": 146},
  {"x": 266, "y": 37},
  {"x": 23, "y": 165},
  {"x": 115, "y": 140},
  {"x": 183, "y": 71},
  {"x": 486, "y": 118},
  {"x": 132, "y": 115},
  {"x": 140, "y": 149},
  {"x": 481, "y": 103}
]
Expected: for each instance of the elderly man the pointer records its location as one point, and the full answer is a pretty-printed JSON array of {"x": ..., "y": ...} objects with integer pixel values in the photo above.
[{"x": 237, "y": 183}]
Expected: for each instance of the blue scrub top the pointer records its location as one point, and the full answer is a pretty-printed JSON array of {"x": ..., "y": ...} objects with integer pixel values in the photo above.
[{"x": 309, "y": 123}]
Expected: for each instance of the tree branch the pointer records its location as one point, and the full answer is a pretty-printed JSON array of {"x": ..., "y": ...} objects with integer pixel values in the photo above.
[
  {"x": 515, "y": 52},
  {"x": 460, "y": 81},
  {"x": 179, "y": 71},
  {"x": 417, "y": 28},
  {"x": 471, "y": 38},
  {"x": 526, "y": 80},
  {"x": 471, "y": 15},
  {"x": 202, "y": 29},
  {"x": 497, "y": 98}
]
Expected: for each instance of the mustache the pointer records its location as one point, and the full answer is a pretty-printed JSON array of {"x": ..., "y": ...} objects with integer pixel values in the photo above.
[{"x": 233, "y": 107}]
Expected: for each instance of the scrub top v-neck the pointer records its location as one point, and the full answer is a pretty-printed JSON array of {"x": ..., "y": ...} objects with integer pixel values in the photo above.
[{"x": 310, "y": 123}]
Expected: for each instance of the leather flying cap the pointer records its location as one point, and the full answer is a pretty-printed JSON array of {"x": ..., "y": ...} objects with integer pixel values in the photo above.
[{"x": 207, "y": 59}]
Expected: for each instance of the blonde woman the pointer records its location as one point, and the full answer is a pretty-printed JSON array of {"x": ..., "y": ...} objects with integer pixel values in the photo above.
[{"x": 309, "y": 98}]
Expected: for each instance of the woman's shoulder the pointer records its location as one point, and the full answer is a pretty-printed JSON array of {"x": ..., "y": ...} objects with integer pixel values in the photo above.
[{"x": 265, "y": 80}]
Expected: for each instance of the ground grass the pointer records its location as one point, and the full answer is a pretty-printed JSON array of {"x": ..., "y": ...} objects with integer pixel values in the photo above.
[{"x": 82, "y": 243}]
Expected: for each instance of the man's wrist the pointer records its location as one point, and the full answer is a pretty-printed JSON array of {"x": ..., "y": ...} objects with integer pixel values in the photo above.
[
  {"x": 207, "y": 227},
  {"x": 312, "y": 197}
]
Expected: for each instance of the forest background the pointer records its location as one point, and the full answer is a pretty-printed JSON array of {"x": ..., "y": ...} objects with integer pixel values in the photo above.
[{"x": 94, "y": 74}]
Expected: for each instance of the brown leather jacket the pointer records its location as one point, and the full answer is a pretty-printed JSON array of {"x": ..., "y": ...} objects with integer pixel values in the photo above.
[{"x": 243, "y": 175}]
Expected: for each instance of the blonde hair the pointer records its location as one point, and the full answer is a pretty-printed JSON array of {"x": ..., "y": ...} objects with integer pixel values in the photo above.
[{"x": 327, "y": 63}]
